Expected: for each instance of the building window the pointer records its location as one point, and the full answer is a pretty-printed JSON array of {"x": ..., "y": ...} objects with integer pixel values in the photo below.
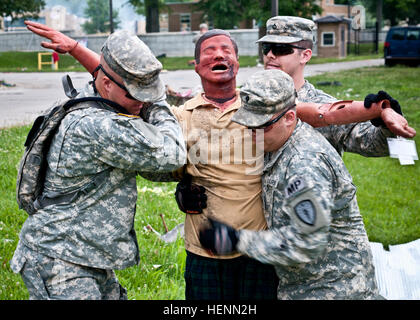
[
  {"x": 328, "y": 39},
  {"x": 185, "y": 21}
]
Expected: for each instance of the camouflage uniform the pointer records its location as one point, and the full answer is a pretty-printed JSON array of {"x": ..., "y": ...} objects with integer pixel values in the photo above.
[
  {"x": 316, "y": 238},
  {"x": 67, "y": 250},
  {"x": 361, "y": 138}
]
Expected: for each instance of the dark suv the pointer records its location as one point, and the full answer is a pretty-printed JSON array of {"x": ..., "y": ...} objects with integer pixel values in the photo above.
[{"x": 402, "y": 45}]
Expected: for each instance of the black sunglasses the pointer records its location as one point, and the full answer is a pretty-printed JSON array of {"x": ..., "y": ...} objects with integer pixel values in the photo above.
[
  {"x": 273, "y": 121},
  {"x": 279, "y": 49},
  {"x": 128, "y": 95}
]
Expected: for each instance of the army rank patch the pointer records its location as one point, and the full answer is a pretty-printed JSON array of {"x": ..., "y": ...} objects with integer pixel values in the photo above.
[{"x": 306, "y": 212}]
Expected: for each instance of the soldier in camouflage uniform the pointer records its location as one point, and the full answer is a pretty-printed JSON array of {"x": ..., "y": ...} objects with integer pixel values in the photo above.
[
  {"x": 287, "y": 47},
  {"x": 316, "y": 238},
  {"x": 197, "y": 113},
  {"x": 69, "y": 248}
]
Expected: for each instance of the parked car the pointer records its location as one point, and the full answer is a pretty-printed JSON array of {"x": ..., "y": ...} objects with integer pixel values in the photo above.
[{"x": 402, "y": 45}]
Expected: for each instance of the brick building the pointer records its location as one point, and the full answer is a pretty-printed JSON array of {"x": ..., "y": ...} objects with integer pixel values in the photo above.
[{"x": 185, "y": 16}]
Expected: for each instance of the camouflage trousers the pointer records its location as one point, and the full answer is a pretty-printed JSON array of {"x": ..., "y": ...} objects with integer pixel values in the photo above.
[{"x": 48, "y": 278}]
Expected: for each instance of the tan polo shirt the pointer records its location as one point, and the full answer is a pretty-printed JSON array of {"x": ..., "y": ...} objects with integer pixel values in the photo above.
[{"x": 223, "y": 159}]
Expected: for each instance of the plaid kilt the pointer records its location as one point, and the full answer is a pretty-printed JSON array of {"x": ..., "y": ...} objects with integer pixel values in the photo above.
[{"x": 240, "y": 278}]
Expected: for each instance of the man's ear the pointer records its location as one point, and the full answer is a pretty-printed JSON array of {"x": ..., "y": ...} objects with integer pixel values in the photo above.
[
  {"x": 106, "y": 84},
  {"x": 290, "y": 117},
  {"x": 306, "y": 55}
]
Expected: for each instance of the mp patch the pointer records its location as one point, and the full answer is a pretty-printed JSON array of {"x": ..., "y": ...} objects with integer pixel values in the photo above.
[
  {"x": 306, "y": 212},
  {"x": 296, "y": 185}
]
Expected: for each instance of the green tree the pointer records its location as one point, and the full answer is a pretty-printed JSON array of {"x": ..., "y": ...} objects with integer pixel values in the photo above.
[
  {"x": 226, "y": 14},
  {"x": 21, "y": 8},
  {"x": 397, "y": 10},
  {"x": 150, "y": 9},
  {"x": 98, "y": 12}
]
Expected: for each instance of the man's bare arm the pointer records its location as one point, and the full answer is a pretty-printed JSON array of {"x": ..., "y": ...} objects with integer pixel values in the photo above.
[{"x": 64, "y": 44}]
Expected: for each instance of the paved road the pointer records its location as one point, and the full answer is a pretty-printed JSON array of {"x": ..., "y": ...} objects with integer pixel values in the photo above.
[{"x": 35, "y": 92}]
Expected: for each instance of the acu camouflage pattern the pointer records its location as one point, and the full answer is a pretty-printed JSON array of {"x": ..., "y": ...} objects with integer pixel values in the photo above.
[
  {"x": 265, "y": 94},
  {"x": 361, "y": 138},
  {"x": 333, "y": 261},
  {"x": 133, "y": 61},
  {"x": 49, "y": 278},
  {"x": 288, "y": 29},
  {"x": 96, "y": 229}
]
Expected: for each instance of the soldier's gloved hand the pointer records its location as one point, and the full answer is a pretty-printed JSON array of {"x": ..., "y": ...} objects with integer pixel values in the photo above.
[
  {"x": 219, "y": 239},
  {"x": 59, "y": 41},
  {"x": 191, "y": 198},
  {"x": 382, "y": 95}
]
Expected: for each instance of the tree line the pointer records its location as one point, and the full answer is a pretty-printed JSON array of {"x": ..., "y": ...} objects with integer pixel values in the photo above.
[{"x": 223, "y": 14}]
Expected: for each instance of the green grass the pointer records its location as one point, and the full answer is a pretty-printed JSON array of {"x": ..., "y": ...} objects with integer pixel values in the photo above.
[
  {"x": 12, "y": 61},
  {"x": 28, "y": 61},
  {"x": 388, "y": 195}
]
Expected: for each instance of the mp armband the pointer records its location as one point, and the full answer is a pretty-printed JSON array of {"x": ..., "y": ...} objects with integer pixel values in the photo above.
[{"x": 304, "y": 207}]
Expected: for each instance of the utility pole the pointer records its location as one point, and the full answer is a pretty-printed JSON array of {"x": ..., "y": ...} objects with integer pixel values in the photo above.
[
  {"x": 111, "y": 21},
  {"x": 349, "y": 27},
  {"x": 378, "y": 23},
  {"x": 274, "y": 8}
]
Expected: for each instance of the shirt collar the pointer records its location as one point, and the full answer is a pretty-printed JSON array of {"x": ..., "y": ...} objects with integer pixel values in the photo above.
[{"x": 199, "y": 101}]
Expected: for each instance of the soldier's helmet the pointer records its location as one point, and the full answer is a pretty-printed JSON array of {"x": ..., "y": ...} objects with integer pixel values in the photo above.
[
  {"x": 265, "y": 94},
  {"x": 134, "y": 62},
  {"x": 288, "y": 29}
]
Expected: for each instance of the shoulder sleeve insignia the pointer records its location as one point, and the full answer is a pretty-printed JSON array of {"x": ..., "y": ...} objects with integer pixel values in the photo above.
[
  {"x": 306, "y": 212},
  {"x": 296, "y": 185}
]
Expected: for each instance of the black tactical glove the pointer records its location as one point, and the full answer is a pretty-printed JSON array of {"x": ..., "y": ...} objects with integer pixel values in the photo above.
[
  {"x": 220, "y": 238},
  {"x": 191, "y": 198},
  {"x": 382, "y": 95}
]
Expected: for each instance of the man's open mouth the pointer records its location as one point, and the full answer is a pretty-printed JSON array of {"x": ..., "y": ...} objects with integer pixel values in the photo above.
[{"x": 219, "y": 67}]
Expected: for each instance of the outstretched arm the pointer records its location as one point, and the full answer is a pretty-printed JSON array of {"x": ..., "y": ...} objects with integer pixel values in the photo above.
[
  {"x": 345, "y": 112},
  {"x": 64, "y": 44}
]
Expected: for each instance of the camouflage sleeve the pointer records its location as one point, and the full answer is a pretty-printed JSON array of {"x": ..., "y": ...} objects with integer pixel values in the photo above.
[
  {"x": 306, "y": 204},
  {"x": 131, "y": 143},
  {"x": 161, "y": 176},
  {"x": 361, "y": 138}
]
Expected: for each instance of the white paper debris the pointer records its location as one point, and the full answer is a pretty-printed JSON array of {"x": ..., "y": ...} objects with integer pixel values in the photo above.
[{"x": 397, "y": 271}]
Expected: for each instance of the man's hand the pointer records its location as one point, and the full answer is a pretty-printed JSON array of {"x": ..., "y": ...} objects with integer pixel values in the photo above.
[
  {"x": 191, "y": 198},
  {"x": 219, "y": 239},
  {"x": 397, "y": 124},
  {"x": 59, "y": 42},
  {"x": 392, "y": 118}
]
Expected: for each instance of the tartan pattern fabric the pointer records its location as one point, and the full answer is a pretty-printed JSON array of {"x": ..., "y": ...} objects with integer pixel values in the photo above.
[{"x": 240, "y": 278}]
